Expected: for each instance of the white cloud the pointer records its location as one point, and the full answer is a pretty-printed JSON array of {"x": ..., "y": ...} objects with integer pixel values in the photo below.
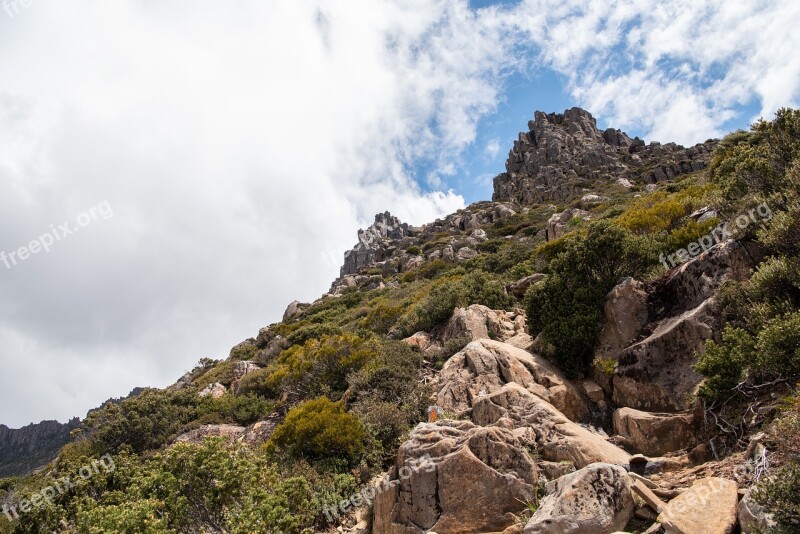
[
  {"x": 675, "y": 70},
  {"x": 493, "y": 148},
  {"x": 240, "y": 144}
]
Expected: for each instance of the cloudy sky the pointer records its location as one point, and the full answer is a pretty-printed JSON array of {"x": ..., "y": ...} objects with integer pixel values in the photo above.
[{"x": 199, "y": 164}]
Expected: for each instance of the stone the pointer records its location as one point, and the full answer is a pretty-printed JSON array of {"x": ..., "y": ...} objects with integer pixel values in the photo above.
[
  {"x": 595, "y": 499},
  {"x": 541, "y": 426},
  {"x": 466, "y": 253},
  {"x": 558, "y": 222},
  {"x": 520, "y": 287},
  {"x": 420, "y": 340},
  {"x": 374, "y": 243},
  {"x": 294, "y": 310},
  {"x": 753, "y": 518},
  {"x": 657, "y": 373},
  {"x": 480, "y": 322},
  {"x": 259, "y": 432},
  {"x": 454, "y": 477},
  {"x": 708, "y": 507},
  {"x": 625, "y": 314},
  {"x": 485, "y": 366},
  {"x": 239, "y": 371},
  {"x": 215, "y": 391},
  {"x": 655, "y": 434},
  {"x": 646, "y": 494},
  {"x": 593, "y": 391}
]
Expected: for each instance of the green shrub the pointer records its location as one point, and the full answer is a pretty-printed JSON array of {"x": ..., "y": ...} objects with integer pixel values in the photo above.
[
  {"x": 313, "y": 331},
  {"x": 566, "y": 307},
  {"x": 382, "y": 316},
  {"x": 242, "y": 409},
  {"x": 319, "y": 429},
  {"x": 725, "y": 364},
  {"x": 414, "y": 250},
  {"x": 245, "y": 352}
]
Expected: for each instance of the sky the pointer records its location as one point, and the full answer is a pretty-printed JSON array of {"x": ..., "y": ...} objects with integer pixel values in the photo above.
[{"x": 174, "y": 173}]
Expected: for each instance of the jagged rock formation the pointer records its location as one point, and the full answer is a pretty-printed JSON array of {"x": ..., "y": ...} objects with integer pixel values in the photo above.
[
  {"x": 28, "y": 448},
  {"x": 376, "y": 243},
  {"x": 563, "y": 153}
]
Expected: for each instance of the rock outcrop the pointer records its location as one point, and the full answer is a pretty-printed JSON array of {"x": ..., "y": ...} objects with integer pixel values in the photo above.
[
  {"x": 542, "y": 427},
  {"x": 596, "y": 499},
  {"x": 375, "y": 243},
  {"x": 481, "y": 322},
  {"x": 562, "y": 154},
  {"x": 485, "y": 366},
  {"x": 624, "y": 316},
  {"x": 30, "y": 447},
  {"x": 452, "y": 477}
]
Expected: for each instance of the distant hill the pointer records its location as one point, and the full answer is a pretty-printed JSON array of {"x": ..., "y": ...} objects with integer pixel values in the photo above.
[{"x": 26, "y": 449}]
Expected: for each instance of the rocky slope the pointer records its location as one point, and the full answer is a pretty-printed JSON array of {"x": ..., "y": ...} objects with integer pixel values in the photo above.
[{"x": 325, "y": 412}]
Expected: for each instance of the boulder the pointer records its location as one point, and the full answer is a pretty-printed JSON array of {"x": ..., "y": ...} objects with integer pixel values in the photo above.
[
  {"x": 657, "y": 373},
  {"x": 624, "y": 316},
  {"x": 215, "y": 391},
  {"x": 485, "y": 366},
  {"x": 420, "y": 340},
  {"x": 545, "y": 429},
  {"x": 708, "y": 507},
  {"x": 557, "y": 223},
  {"x": 698, "y": 279},
  {"x": 520, "y": 287},
  {"x": 480, "y": 322},
  {"x": 240, "y": 370},
  {"x": 753, "y": 518},
  {"x": 453, "y": 477},
  {"x": 259, "y": 432},
  {"x": 293, "y": 310},
  {"x": 655, "y": 434},
  {"x": 198, "y": 435},
  {"x": 465, "y": 253},
  {"x": 594, "y": 500}
]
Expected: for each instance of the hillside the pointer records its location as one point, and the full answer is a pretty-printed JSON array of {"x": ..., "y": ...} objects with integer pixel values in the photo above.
[{"x": 610, "y": 344}]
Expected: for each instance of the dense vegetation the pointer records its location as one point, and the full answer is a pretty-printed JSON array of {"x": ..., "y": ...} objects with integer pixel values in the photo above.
[{"x": 347, "y": 392}]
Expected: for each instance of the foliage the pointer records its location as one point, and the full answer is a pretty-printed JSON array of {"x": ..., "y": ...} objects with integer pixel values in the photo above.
[
  {"x": 319, "y": 429},
  {"x": 382, "y": 316},
  {"x": 243, "y": 352},
  {"x": 414, "y": 250},
  {"x": 565, "y": 308}
]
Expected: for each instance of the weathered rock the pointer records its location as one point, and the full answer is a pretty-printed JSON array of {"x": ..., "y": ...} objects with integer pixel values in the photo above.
[
  {"x": 374, "y": 243},
  {"x": 480, "y": 322},
  {"x": 708, "y": 507},
  {"x": 294, "y": 310},
  {"x": 420, "y": 340},
  {"x": 561, "y": 152},
  {"x": 657, "y": 373},
  {"x": 655, "y": 434},
  {"x": 466, "y": 253},
  {"x": 198, "y": 435},
  {"x": 259, "y": 432},
  {"x": 593, "y": 391},
  {"x": 541, "y": 426},
  {"x": 624, "y": 316},
  {"x": 520, "y": 287},
  {"x": 557, "y": 223},
  {"x": 453, "y": 477},
  {"x": 594, "y": 500},
  {"x": 753, "y": 517},
  {"x": 240, "y": 370},
  {"x": 215, "y": 391},
  {"x": 697, "y": 280},
  {"x": 485, "y": 366}
]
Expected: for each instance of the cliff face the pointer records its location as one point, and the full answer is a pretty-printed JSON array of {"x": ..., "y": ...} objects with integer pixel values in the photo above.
[
  {"x": 561, "y": 154},
  {"x": 26, "y": 449}
]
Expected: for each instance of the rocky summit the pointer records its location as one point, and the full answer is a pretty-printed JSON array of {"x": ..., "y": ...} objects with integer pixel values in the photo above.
[
  {"x": 563, "y": 154},
  {"x": 536, "y": 364}
]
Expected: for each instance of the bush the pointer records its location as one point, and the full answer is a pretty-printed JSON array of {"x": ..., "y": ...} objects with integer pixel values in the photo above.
[
  {"x": 242, "y": 409},
  {"x": 319, "y": 429},
  {"x": 725, "y": 364},
  {"x": 566, "y": 307},
  {"x": 382, "y": 316},
  {"x": 415, "y": 251}
]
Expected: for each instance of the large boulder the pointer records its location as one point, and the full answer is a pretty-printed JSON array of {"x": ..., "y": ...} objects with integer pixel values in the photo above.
[
  {"x": 453, "y": 477},
  {"x": 485, "y": 366},
  {"x": 624, "y": 316},
  {"x": 708, "y": 507},
  {"x": 557, "y": 223},
  {"x": 480, "y": 322},
  {"x": 215, "y": 391},
  {"x": 753, "y": 518},
  {"x": 542, "y": 427},
  {"x": 657, "y": 373},
  {"x": 521, "y": 286},
  {"x": 594, "y": 500},
  {"x": 655, "y": 434},
  {"x": 697, "y": 280}
]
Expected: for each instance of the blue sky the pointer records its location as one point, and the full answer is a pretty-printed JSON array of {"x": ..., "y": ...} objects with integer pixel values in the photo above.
[{"x": 241, "y": 145}]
